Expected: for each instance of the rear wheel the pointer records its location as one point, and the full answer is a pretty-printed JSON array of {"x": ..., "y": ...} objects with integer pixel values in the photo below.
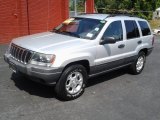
[
  {"x": 72, "y": 82},
  {"x": 138, "y": 65}
]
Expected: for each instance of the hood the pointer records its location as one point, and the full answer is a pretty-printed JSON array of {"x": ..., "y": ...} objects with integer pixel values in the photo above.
[{"x": 47, "y": 42}]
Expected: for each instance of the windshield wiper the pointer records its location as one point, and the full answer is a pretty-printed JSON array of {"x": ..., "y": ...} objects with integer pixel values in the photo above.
[
  {"x": 65, "y": 32},
  {"x": 54, "y": 30},
  {"x": 70, "y": 33}
]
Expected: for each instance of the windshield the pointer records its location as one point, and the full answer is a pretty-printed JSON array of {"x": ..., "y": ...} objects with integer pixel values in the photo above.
[{"x": 81, "y": 27}]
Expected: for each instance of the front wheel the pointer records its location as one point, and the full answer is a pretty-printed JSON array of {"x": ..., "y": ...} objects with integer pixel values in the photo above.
[
  {"x": 72, "y": 82},
  {"x": 138, "y": 65}
]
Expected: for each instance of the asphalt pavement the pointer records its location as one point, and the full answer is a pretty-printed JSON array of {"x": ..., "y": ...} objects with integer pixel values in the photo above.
[{"x": 114, "y": 96}]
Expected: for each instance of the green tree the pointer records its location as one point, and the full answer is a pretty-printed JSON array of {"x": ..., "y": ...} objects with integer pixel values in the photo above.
[{"x": 142, "y": 8}]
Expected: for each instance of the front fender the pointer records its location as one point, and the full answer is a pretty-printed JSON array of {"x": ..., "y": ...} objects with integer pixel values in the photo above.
[{"x": 69, "y": 58}]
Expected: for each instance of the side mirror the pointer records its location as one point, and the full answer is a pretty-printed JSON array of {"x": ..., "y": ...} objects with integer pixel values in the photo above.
[{"x": 107, "y": 40}]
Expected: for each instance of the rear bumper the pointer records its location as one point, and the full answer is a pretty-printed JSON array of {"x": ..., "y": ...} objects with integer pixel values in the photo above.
[{"x": 44, "y": 75}]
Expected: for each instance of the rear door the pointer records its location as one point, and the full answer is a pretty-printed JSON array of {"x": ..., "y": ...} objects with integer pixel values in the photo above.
[{"x": 133, "y": 40}]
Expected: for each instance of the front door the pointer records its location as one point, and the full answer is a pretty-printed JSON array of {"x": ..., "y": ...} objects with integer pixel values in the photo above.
[{"x": 110, "y": 55}]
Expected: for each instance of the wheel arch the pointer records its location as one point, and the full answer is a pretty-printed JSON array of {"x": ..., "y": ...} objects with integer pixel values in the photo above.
[
  {"x": 84, "y": 63},
  {"x": 145, "y": 50}
]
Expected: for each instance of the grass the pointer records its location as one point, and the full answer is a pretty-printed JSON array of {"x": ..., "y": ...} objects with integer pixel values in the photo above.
[{"x": 154, "y": 23}]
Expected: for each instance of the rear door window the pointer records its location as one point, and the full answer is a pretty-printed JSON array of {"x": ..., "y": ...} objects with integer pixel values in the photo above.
[
  {"x": 131, "y": 29},
  {"x": 144, "y": 28}
]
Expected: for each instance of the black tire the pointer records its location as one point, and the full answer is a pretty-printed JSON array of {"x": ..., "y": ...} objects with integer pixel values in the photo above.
[
  {"x": 133, "y": 68},
  {"x": 61, "y": 86}
]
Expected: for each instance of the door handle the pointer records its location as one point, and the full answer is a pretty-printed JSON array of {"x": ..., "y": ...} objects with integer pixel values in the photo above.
[
  {"x": 139, "y": 42},
  {"x": 121, "y": 46}
]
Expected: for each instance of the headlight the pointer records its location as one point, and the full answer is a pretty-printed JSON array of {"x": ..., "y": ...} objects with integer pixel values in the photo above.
[{"x": 42, "y": 59}]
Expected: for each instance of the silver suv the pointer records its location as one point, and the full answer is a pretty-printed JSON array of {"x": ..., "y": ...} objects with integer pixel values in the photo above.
[{"x": 79, "y": 48}]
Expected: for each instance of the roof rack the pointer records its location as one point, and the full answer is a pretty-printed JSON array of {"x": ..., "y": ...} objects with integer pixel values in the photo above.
[
  {"x": 113, "y": 14},
  {"x": 91, "y": 13}
]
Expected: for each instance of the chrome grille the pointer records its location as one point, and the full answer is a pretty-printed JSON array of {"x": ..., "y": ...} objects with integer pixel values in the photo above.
[{"x": 20, "y": 54}]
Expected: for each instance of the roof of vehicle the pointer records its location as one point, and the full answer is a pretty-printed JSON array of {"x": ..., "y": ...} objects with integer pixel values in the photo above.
[
  {"x": 105, "y": 16},
  {"x": 94, "y": 16}
]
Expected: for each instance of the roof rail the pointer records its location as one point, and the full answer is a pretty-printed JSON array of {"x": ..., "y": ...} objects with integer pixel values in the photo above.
[
  {"x": 91, "y": 13},
  {"x": 113, "y": 14}
]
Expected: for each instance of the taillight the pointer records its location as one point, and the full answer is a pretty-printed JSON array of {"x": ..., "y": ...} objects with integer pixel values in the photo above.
[{"x": 152, "y": 40}]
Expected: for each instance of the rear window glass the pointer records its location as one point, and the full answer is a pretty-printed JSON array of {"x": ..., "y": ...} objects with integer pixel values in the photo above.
[{"x": 144, "y": 28}]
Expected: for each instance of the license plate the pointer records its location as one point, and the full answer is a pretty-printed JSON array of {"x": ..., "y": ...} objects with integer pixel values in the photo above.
[{"x": 12, "y": 66}]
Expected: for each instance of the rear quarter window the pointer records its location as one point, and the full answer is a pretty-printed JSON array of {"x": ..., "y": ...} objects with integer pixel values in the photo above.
[{"x": 144, "y": 28}]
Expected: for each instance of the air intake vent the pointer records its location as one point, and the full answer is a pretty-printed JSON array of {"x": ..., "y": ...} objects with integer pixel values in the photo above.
[{"x": 20, "y": 54}]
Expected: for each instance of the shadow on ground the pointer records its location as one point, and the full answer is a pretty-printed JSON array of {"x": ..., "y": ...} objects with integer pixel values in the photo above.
[
  {"x": 33, "y": 88},
  {"x": 107, "y": 76},
  {"x": 37, "y": 89}
]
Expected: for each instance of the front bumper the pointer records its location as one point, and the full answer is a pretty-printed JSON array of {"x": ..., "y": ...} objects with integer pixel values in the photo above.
[{"x": 44, "y": 75}]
